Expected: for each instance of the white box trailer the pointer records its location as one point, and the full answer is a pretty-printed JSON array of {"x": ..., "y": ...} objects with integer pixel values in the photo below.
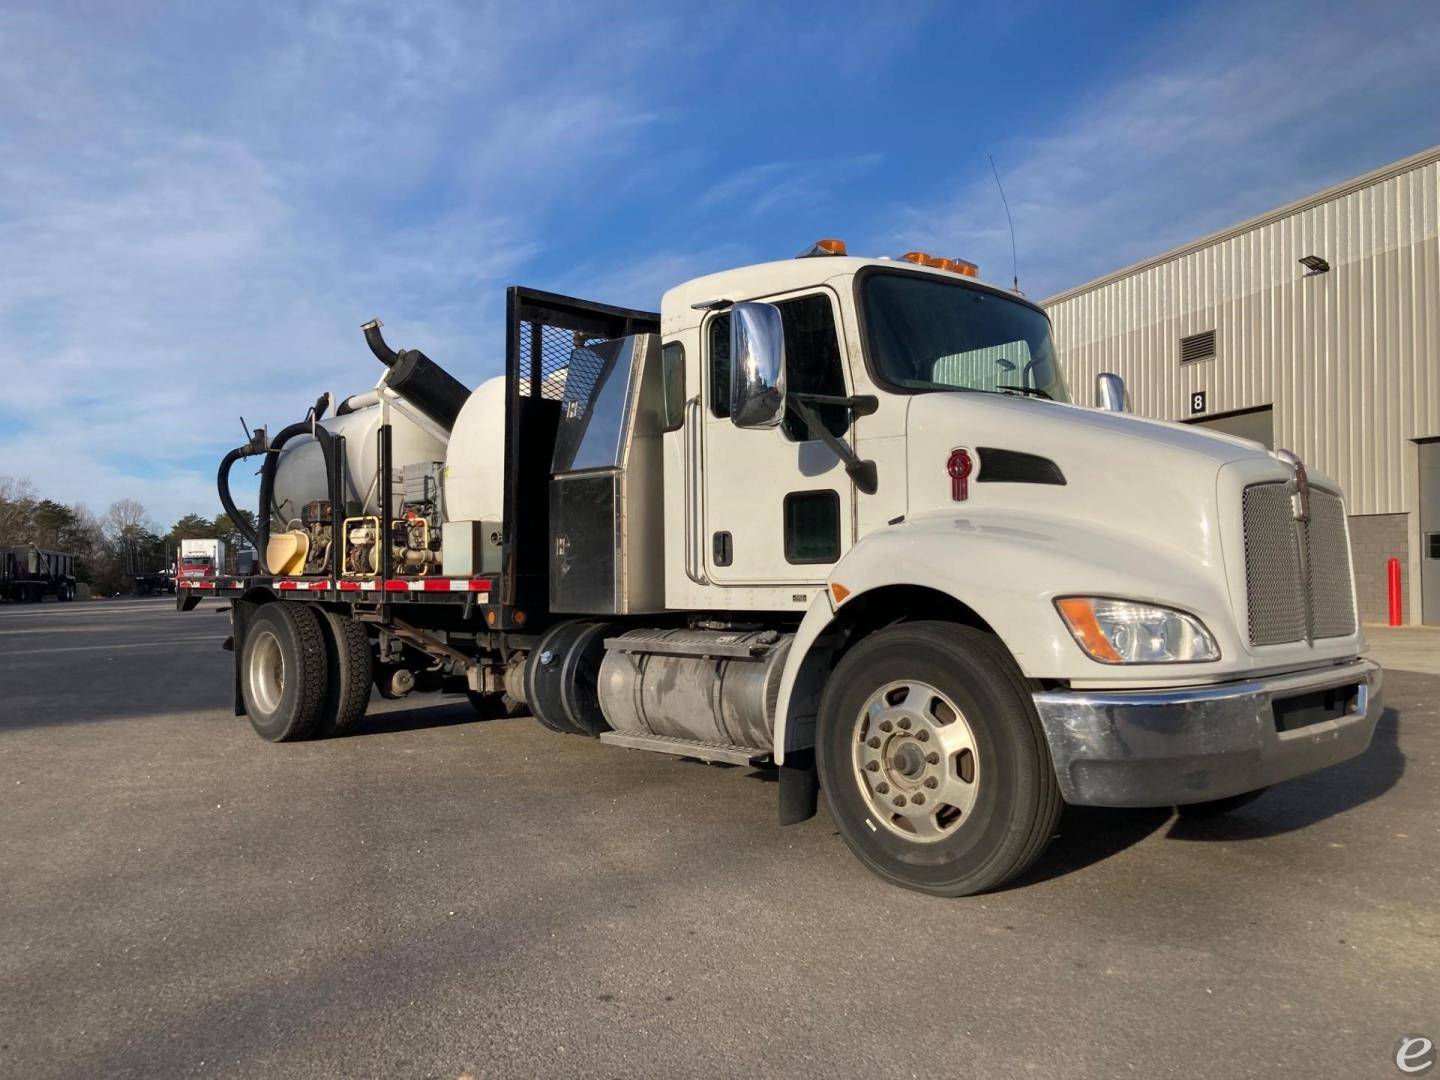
[
  {"x": 834, "y": 514},
  {"x": 200, "y": 560}
]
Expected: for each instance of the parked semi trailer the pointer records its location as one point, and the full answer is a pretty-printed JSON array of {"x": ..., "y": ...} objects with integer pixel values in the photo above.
[
  {"x": 28, "y": 574},
  {"x": 835, "y": 514}
]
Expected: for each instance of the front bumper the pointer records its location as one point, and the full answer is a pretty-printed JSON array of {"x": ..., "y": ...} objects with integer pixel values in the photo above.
[{"x": 1170, "y": 747}]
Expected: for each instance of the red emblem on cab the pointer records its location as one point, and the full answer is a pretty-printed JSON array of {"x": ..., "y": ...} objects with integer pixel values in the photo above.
[{"x": 960, "y": 466}]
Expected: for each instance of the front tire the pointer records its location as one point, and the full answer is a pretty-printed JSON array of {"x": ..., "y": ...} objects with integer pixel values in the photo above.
[
  {"x": 933, "y": 761},
  {"x": 284, "y": 671}
]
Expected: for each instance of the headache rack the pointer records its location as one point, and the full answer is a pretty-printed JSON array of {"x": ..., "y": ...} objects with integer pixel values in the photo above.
[{"x": 542, "y": 331}]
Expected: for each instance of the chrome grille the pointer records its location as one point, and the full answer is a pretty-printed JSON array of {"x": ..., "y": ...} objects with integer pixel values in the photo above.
[{"x": 1290, "y": 598}]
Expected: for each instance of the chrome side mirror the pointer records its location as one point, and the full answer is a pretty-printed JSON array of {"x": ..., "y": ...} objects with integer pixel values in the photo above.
[
  {"x": 1110, "y": 393},
  {"x": 757, "y": 366}
]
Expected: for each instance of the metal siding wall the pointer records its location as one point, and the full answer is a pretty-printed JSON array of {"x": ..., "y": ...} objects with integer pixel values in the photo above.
[{"x": 1349, "y": 360}]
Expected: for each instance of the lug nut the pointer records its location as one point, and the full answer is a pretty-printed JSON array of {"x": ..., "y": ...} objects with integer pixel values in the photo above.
[
  {"x": 883, "y": 788},
  {"x": 899, "y": 800},
  {"x": 931, "y": 782},
  {"x": 873, "y": 742},
  {"x": 904, "y": 723},
  {"x": 919, "y": 798},
  {"x": 874, "y": 766},
  {"x": 885, "y": 725},
  {"x": 932, "y": 758},
  {"x": 922, "y": 735}
]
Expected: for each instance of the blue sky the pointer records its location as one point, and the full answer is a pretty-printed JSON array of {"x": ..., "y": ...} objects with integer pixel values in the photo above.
[{"x": 199, "y": 204}]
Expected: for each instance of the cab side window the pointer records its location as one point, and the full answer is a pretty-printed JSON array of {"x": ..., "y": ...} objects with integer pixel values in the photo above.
[
  {"x": 812, "y": 362},
  {"x": 720, "y": 365},
  {"x": 812, "y": 358}
]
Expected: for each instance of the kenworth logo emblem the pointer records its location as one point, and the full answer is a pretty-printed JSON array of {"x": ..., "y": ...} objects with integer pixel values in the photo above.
[{"x": 960, "y": 466}]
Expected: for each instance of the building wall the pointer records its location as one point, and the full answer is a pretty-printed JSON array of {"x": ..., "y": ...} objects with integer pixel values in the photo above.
[
  {"x": 1349, "y": 359},
  {"x": 1374, "y": 540}
]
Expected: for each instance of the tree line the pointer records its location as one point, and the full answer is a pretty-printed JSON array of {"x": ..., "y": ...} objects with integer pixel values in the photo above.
[{"x": 110, "y": 548}]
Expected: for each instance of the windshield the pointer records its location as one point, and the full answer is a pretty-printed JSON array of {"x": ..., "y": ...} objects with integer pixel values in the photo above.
[{"x": 926, "y": 333}]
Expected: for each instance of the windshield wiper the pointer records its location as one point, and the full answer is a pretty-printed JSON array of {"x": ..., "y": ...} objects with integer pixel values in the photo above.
[{"x": 1033, "y": 391}]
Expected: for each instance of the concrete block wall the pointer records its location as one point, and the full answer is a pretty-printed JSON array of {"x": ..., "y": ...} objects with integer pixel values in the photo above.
[{"x": 1374, "y": 540}]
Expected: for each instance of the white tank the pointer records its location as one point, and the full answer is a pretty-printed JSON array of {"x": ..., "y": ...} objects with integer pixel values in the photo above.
[
  {"x": 300, "y": 472},
  {"x": 475, "y": 462}
]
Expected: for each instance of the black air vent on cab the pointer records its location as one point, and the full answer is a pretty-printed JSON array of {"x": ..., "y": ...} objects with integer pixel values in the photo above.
[
  {"x": 1016, "y": 467},
  {"x": 1197, "y": 347}
]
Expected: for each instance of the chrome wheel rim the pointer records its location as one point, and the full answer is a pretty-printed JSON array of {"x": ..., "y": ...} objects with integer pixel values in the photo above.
[
  {"x": 267, "y": 671},
  {"x": 916, "y": 762}
]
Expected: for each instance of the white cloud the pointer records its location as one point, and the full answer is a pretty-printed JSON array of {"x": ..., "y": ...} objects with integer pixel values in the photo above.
[
  {"x": 1239, "y": 109},
  {"x": 192, "y": 237}
]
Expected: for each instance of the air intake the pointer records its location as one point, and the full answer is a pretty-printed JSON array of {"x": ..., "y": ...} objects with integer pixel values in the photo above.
[{"x": 1197, "y": 347}]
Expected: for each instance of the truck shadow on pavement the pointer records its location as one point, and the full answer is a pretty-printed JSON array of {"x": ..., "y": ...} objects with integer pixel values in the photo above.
[
  {"x": 1087, "y": 834},
  {"x": 1302, "y": 802},
  {"x": 447, "y": 712}
]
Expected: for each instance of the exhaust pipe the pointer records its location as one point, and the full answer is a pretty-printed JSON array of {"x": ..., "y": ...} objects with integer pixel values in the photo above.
[
  {"x": 383, "y": 352},
  {"x": 418, "y": 379}
]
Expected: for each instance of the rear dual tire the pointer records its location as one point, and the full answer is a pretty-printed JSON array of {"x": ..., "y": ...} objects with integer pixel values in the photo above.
[
  {"x": 284, "y": 671},
  {"x": 933, "y": 761},
  {"x": 304, "y": 672}
]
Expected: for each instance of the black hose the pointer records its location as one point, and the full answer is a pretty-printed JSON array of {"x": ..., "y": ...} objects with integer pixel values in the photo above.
[
  {"x": 383, "y": 352},
  {"x": 222, "y": 482}
]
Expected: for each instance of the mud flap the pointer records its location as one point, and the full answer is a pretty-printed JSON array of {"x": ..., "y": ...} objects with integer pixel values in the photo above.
[{"x": 799, "y": 787}]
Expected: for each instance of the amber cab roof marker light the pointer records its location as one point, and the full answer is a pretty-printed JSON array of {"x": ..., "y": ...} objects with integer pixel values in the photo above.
[{"x": 823, "y": 247}]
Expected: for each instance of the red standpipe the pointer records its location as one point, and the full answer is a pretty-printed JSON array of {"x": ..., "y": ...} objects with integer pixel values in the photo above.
[{"x": 1392, "y": 569}]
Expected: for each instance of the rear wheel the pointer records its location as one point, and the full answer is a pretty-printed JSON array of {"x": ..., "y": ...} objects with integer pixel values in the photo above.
[
  {"x": 933, "y": 761},
  {"x": 284, "y": 671},
  {"x": 351, "y": 665}
]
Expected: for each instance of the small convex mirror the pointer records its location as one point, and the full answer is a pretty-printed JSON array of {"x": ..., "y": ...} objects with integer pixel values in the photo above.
[{"x": 757, "y": 366}]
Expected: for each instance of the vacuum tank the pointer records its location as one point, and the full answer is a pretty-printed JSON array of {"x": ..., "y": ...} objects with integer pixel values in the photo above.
[{"x": 300, "y": 471}]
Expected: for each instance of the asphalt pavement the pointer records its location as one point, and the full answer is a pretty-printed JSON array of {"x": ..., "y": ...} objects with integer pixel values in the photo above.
[{"x": 437, "y": 897}]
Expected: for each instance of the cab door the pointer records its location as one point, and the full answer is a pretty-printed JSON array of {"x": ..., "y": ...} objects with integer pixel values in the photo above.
[{"x": 778, "y": 506}]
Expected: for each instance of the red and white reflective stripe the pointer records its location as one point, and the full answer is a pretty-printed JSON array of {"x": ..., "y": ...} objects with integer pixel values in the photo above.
[
  {"x": 470, "y": 585},
  {"x": 197, "y": 584}
]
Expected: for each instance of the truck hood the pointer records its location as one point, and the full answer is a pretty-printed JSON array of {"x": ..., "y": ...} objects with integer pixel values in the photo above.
[
  {"x": 1153, "y": 484},
  {"x": 1112, "y": 463},
  {"x": 1154, "y": 506}
]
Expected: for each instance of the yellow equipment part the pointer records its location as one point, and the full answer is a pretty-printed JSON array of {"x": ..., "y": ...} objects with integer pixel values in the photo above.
[{"x": 285, "y": 553}]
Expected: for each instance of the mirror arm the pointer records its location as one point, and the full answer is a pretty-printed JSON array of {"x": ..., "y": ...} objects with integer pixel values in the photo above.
[{"x": 862, "y": 472}]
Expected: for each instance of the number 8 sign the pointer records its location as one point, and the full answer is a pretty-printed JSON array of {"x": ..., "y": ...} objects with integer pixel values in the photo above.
[{"x": 1197, "y": 402}]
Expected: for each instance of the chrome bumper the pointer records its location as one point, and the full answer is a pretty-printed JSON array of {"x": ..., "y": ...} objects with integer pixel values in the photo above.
[{"x": 1168, "y": 747}]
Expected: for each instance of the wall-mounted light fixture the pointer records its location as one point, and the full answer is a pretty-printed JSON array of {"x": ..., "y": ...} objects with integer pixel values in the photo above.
[{"x": 1314, "y": 264}]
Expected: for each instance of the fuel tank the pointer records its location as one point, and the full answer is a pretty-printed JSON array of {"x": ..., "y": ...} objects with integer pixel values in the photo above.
[{"x": 703, "y": 685}]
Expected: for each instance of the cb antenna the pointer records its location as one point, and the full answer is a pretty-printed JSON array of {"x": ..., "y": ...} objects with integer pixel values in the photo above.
[{"x": 1014, "y": 263}]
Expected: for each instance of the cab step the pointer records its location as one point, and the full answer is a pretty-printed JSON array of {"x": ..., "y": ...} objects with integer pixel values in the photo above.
[{"x": 691, "y": 748}]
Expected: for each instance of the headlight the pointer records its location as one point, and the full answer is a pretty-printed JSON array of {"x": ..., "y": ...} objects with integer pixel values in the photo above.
[{"x": 1129, "y": 632}]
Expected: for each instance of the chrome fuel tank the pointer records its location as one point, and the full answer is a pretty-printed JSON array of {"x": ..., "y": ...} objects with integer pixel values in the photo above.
[{"x": 711, "y": 686}]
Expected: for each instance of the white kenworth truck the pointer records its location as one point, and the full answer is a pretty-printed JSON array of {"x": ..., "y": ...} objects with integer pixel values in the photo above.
[{"x": 835, "y": 514}]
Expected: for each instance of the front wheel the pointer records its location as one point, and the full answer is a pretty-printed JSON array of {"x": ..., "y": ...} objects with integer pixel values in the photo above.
[{"x": 933, "y": 760}]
